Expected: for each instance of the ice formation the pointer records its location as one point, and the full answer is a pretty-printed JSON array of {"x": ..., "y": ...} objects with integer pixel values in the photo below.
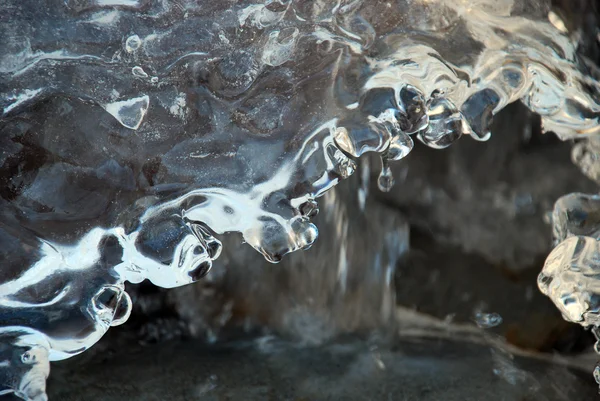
[
  {"x": 571, "y": 273},
  {"x": 133, "y": 132}
]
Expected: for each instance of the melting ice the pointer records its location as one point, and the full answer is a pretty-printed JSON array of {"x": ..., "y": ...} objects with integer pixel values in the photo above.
[{"x": 134, "y": 132}]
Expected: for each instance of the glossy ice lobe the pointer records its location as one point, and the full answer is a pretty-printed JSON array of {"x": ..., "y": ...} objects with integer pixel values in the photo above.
[
  {"x": 571, "y": 273},
  {"x": 571, "y": 278}
]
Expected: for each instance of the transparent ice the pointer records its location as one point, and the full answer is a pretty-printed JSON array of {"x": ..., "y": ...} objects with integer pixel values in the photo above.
[
  {"x": 135, "y": 131},
  {"x": 487, "y": 320},
  {"x": 571, "y": 273}
]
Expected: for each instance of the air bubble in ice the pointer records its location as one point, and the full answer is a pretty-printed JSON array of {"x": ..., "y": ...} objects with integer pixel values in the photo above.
[
  {"x": 132, "y": 43},
  {"x": 280, "y": 47},
  {"x": 130, "y": 113},
  {"x": 139, "y": 72}
]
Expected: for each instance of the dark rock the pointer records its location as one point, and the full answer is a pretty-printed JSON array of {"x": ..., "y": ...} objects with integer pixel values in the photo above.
[{"x": 268, "y": 369}]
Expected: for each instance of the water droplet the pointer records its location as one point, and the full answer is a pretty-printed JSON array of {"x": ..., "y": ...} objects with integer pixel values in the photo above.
[
  {"x": 132, "y": 43},
  {"x": 305, "y": 232},
  {"x": 487, "y": 320},
  {"x": 385, "y": 182}
]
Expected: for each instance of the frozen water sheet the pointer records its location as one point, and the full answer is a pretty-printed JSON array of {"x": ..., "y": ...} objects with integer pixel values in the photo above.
[{"x": 134, "y": 132}]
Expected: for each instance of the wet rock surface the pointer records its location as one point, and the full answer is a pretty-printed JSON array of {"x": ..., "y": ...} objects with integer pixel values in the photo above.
[{"x": 271, "y": 370}]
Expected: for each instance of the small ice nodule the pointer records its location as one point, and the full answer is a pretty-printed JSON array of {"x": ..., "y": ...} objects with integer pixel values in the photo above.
[
  {"x": 251, "y": 113},
  {"x": 487, "y": 320}
]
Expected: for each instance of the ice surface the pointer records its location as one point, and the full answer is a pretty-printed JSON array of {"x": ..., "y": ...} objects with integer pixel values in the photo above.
[
  {"x": 571, "y": 278},
  {"x": 135, "y": 131}
]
